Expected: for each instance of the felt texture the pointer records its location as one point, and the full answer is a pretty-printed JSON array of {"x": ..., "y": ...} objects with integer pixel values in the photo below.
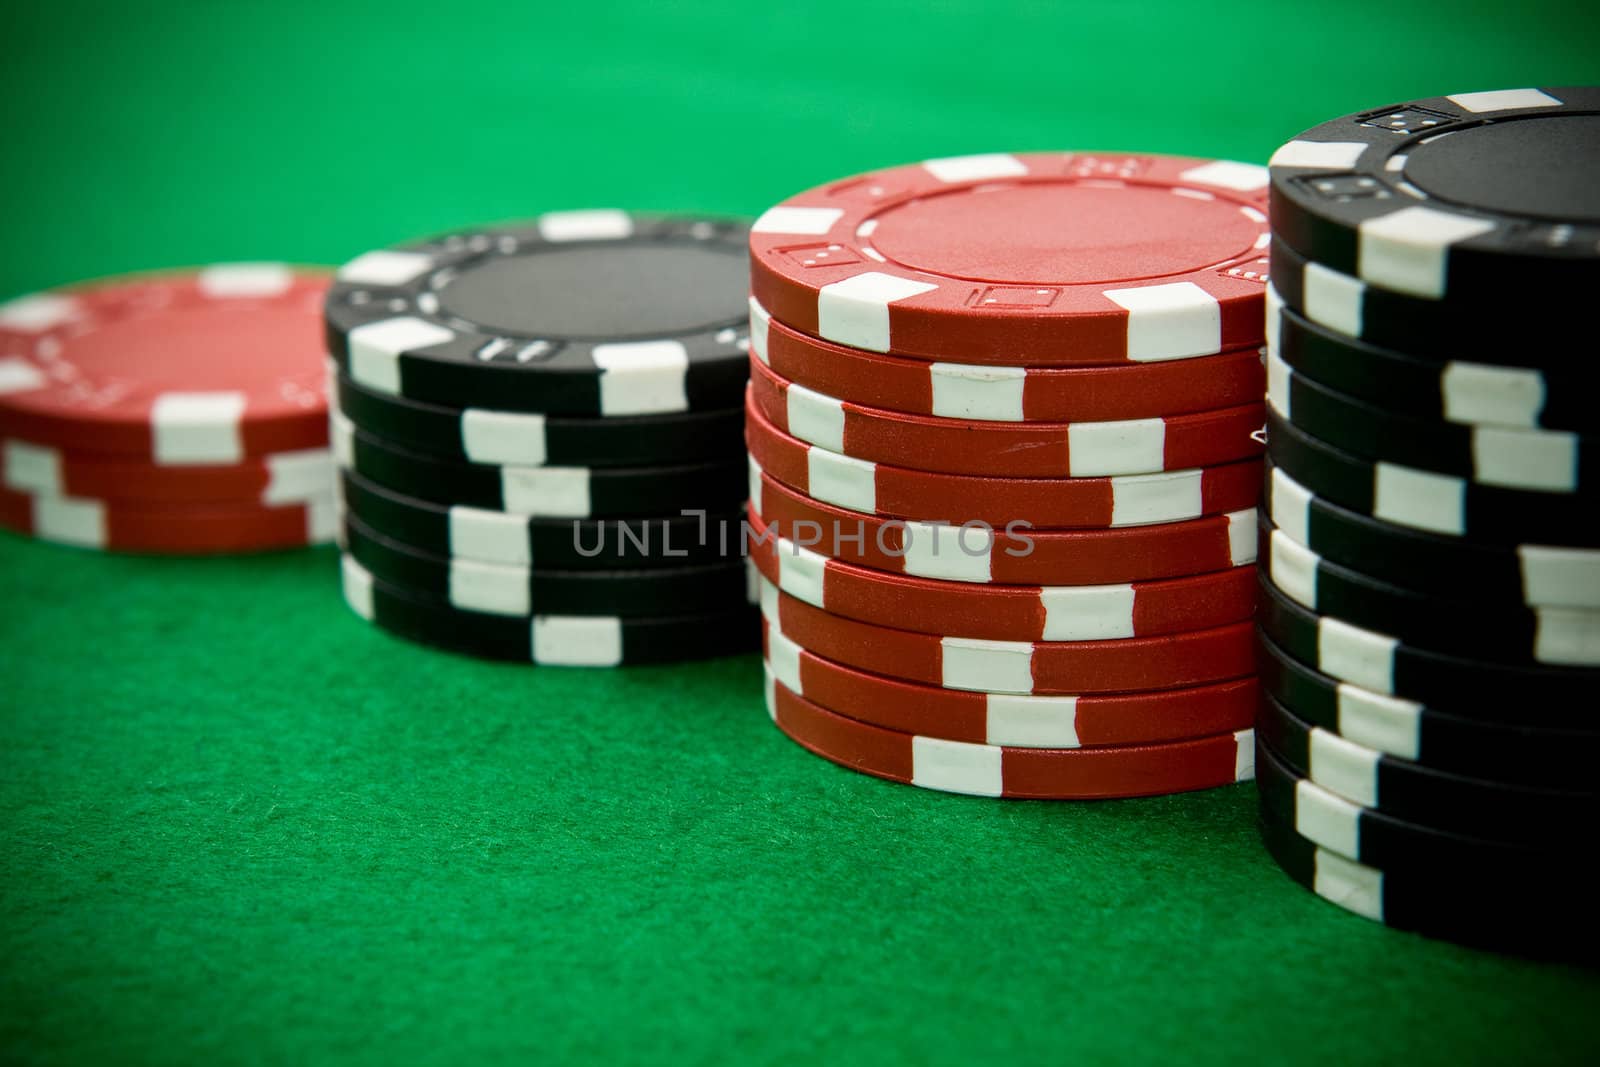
[{"x": 239, "y": 825}]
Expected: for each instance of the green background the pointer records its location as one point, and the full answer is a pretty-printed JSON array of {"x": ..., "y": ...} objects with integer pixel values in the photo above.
[{"x": 240, "y": 826}]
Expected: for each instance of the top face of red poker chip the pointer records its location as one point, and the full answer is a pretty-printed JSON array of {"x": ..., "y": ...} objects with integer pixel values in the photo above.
[
  {"x": 197, "y": 367},
  {"x": 1042, "y": 259}
]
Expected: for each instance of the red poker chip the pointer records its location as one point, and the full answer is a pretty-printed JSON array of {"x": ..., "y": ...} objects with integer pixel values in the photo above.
[
  {"x": 1056, "y": 668},
  {"x": 1022, "y": 721},
  {"x": 193, "y": 530},
  {"x": 1046, "y": 259},
  {"x": 1008, "y": 394},
  {"x": 1031, "y": 557},
  {"x": 1008, "y": 449},
  {"x": 275, "y": 479},
  {"x": 1021, "y": 773},
  {"x": 1004, "y": 612},
  {"x": 202, "y": 367},
  {"x": 881, "y": 489}
]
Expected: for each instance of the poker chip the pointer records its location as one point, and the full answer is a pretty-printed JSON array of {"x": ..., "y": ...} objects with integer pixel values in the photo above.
[
  {"x": 997, "y": 393},
  {"x": 174, "y": 413},
  {"x": 1052, "y": 668},
  {"x": 1504, "y": 750},
  {"x": 1498, "y": 389},
  {"x": 524, "y": 439},
  {"x": 208, "y": 528},
  {"x": 1544, "y": 461},
  {"x": 500, "y": 589},
  {"x": 1018, "y": 557},
  {"x": 996, "y": 771},
  {"x": 1045, "y": 259},
  {"x": 1502, "y": 633},
  {"x": 563, "y": 492},
  {"x": 1481, "y": 903},
  {"x": 546, "y": 544},
  {"x": 1423, "y": 795},
  {"x": 594, "y": 313},
  {"x": 1003, "y": 612},
  {"x": 1455, "y": 199},
  {"x": 1539, "y": 576},
  {"x": 900, "y": 492},
  {"x": 1006, "y": 449},
  {"x": 1426, "y": 500},
  {"x": 553, "y": 640},
  {"x": 1010, "y": 720}
]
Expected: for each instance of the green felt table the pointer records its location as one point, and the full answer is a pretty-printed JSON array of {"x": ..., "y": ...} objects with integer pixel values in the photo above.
[{"x": 238, "y": 825}]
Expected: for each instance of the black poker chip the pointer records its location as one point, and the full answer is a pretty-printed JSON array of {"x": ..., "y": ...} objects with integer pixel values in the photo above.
[{"x": 595, "y": 313}]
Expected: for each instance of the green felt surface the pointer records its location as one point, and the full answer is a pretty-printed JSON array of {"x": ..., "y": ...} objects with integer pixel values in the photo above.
[{"x": 239, "y": 826}]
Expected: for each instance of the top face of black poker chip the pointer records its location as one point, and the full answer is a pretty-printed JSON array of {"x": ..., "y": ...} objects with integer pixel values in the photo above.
[
  {"x": 588, "y": 312},
  {"x": 1476, "y": 193}
]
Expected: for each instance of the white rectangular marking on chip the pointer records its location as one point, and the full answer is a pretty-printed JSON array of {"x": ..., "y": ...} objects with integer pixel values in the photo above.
[
  {"x": 323, "y": 518},
  {"x": 357, "y": 584},
  {"x": 17, "y": 375},
  {"x": 1343, "y": 767},
  {"x": 577, "y": 641},
  {"x": 783, "y": 660},
  {"x": 1352, "y": 654},
  {"x": 1274, "y": 320},
  {"x": 1279, "y": 390},
  {"x": 1333, "y": 299},
  {"x": 1351, "y": 885},
  {"x": 1319, "y": 155},
  {"x": 1121, "y": 446},
  {"x": 1560, "y": 577},
  {"x": 197, "y": 428},
  {"x": 1377, "y": 720},
  {"x": 1525, "y": 459},
  {"x": 1242, "y": 534},
  {"x": 1031, "y": 721},
  {"x": 643, "y": 377},
  {"x": 760, "y": 327},
  {"x": 1087, "y": 612},
  {"x": 993, "y": 394},
  {"x": 240, "y": 280},
  {"x": 492, "y": 536},
  {"x": 1173, "y": 321},
  {"x": 296, "y": 476},
  {"x": 385, "y": 269},
  {"x": 1293, "y": 569},
  {"x": 1244, "y": 755},
  {"x": 844, "y": 480},
  {"x": 1421, "y": 499},
  {"x": 957, "y": 767},
  {"x": 1228, "y": 174},
  {"x": 1290, "y": 504},
  {"x": 555, "y": 492},
  {"x": 1503, "y": 100},
  {"x": 492, "y": 588},
  {"x": 802, "y": 573},
  {"x": 32, "y": 468},
  {"x": 1408, "y": 250},
  {"x": 37, "y": 312},
  {"x": 1147, "y": 498},
  {"x": 1499, "y": 396},
  {"x": 70, "y": 520},
  {"x": 1330, "y": 821},
  {"x": 770, "y": 691},
  {"x": 598, "y": 225},
  {"x": 376, "y": 347},
  {"x": 797, "y": 221},
  {"x": 855, "y": 311},
  {"x": 753, "y": 477},
  {"x": 975, "y": 168},
  {"x": 1567, "y": 637},
  {"x": 504, "y": 437},
  {"x": 814, "y": 417},
  {"x": 953, "y": 553},
  {"x": 987, "y": 666}
]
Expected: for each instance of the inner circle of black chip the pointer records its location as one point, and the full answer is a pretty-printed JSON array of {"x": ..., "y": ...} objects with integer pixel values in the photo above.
[{"x": 1535, "y": 168}]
